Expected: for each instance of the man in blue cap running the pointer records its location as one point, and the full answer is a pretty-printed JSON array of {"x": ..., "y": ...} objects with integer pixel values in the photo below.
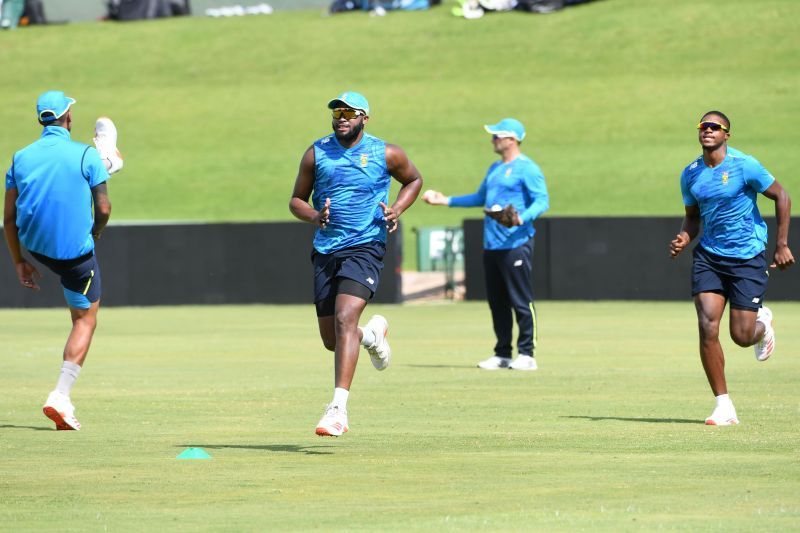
[
  {"x": 347, "y": 175},
  {"x": 56, "y": 207},
  {"x": 729, "y": 264},
  {"x": 513, "y": 194}
]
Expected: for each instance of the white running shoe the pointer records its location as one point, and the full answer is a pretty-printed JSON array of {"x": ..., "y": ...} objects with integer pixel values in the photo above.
[
  {"x": 333, "y": 423},
  {"x": 523, "y": 362},
  {"x": 766, "y": 345},
  {"x": 60, "y": 410},
  {"x": 105, "y": 139},
  {"x": 471, "y": 10},
  {"x": 379, "y": 352},
  {"x": 723, "y": 416},
  {"x": 495, "y": 363}
]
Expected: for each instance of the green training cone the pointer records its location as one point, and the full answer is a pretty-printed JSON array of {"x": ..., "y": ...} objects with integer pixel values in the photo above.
[{"x": 193, "y": 453}]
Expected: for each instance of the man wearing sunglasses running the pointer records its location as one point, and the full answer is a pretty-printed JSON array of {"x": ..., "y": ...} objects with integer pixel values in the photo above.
[
  {"x": 347, "y": 176},
  {"x": 729, "y": 263}
]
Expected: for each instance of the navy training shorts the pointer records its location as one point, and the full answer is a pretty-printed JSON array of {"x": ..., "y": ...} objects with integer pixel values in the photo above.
[
  {"x": 362, "y": 263},
  {"x": 742, "y": 281},
  {"x": 80, "y": 278}
]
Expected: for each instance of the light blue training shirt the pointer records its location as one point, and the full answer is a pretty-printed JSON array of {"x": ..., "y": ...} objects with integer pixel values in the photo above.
[
  {"x": 356, "y": 180},
  {"x": 520, "y": 183},
  {"x": 54, "y": 177},
  {"x": 726, "y": 195}
]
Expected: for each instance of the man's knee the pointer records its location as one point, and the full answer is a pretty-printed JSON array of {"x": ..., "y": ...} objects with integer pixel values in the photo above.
[
  {"x": 709, "y": 328},
  {"x": 345, "y": 319},
  {"x": 742, "y": 335}
]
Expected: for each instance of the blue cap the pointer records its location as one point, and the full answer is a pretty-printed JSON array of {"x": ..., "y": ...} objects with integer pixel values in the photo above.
[
  {"x": 508, "y": 127},
  {"x": 352, "y": 100},
  {"x": 52, "y": 105}
]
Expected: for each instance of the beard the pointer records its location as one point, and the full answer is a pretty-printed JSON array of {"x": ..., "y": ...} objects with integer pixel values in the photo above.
[{"x": 349, "y": 137}]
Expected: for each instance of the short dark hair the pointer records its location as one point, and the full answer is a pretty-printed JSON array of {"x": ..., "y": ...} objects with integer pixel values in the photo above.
[{"x": 721, "y": 115}]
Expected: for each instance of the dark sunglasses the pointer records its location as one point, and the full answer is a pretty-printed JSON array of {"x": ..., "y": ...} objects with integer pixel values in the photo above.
[
  {"x": 715, "y": 126},
  {"x": 346, "y": 112}
]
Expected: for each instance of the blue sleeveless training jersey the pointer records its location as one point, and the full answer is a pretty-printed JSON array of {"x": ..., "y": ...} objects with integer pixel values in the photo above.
[
  {"x": 356, "y": 180},
  {"x": 726, "y": 195}
]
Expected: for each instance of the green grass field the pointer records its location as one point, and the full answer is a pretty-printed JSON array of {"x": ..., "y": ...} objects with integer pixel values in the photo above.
[
  {"x": 215, "y": 114},
  {"x": 606, "y": 436}
]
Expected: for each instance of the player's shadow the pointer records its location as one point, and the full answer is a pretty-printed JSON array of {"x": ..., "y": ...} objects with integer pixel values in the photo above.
[
  {"x": 635, "y": 419},
  {"x": 34, "y": 428},
  {"x": 438, "y": 366},
  {"x": 285, "y": 448}
]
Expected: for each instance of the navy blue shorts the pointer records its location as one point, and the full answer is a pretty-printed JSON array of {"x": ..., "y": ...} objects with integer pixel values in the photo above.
[
  {"x": 80, "y": 278},
  {"x": 742, "y": 281},
  {"x": 362, "y": 263}
]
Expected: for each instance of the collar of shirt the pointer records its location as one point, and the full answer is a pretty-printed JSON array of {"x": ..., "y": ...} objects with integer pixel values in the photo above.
[{"x": 57, "y": 131}]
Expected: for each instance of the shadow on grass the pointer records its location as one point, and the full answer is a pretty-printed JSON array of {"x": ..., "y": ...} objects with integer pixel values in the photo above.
[
  {"x": 286, "y": 448},
  {"x": 34, "y": 428},
  {"x": 632, "y": 419},
  {"x": 440, "y": 366}
]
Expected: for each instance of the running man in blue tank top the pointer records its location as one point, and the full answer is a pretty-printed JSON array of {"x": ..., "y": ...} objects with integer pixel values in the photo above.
[
  {"x": 719, "y": 191},
  {"x": 56, "y": 207},
  {"x": 513, "y": 194},
  {"x": 347, "y": 175}
]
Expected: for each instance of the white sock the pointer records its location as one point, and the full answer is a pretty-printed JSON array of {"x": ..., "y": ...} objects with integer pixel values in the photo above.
[
  {"x": 368, "y": 338},
  {"x": 340, "y": 397},
  {"x": 69, "y": 373},
  {"x": 723, "y": 400}
]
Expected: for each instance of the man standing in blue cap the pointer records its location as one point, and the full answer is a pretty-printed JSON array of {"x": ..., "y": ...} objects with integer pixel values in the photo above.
[
  {"x": 56, "y": 207},
  {"x": 513, "y": 194},
  {"x": 347, "y": 175}
]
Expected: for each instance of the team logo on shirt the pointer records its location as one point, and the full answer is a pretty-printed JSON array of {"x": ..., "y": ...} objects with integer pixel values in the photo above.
[
  {"x": 724, "y": 178},
  {"x": 364, "y": 161},
  {"x": 508, "y": 171}
]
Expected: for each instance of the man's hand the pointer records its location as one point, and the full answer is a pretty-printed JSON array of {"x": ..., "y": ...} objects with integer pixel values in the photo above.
[
  {"x": 26, "y": 273},
  {"x": 507, "y": 216},
  {"x": 783, "y": 258},
  {"x": 323, "y": 215},
  {"x": 390, "y": 217},
  {"x": 677, "y": 244},
  {"x": 435, "y": 198}
]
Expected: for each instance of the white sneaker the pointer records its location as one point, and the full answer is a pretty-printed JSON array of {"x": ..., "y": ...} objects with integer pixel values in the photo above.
[
  {"x": 333, "y": 423},
  {"x": 523, "y": 362},
  {"x": 471, "y": 11},
  {"x": 723, "y": 416},
  {"x": 495, "y": 363},
  {"x": 766, "y": 345},
  {"x": 105, "y": 140},
  {"x": 379, "y": 352},
  {"x": 60, "y": 410}
]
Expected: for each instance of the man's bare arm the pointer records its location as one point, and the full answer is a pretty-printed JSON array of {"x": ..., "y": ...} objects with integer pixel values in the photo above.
[
  {"x": 303, "y": 186},
  {"x": 403, "y": 170},
  {"x": 102, "y": 209}
]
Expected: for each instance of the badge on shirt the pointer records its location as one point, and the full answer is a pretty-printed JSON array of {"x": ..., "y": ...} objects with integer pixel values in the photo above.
[
  {"x": 508, "y": 171},
  {"x": 724, "y": 178},
  {"x": 363, "y": 160}
]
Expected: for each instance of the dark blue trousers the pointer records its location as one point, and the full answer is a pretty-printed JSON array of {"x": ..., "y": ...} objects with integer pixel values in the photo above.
[{"x": 508, "y": 288}]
